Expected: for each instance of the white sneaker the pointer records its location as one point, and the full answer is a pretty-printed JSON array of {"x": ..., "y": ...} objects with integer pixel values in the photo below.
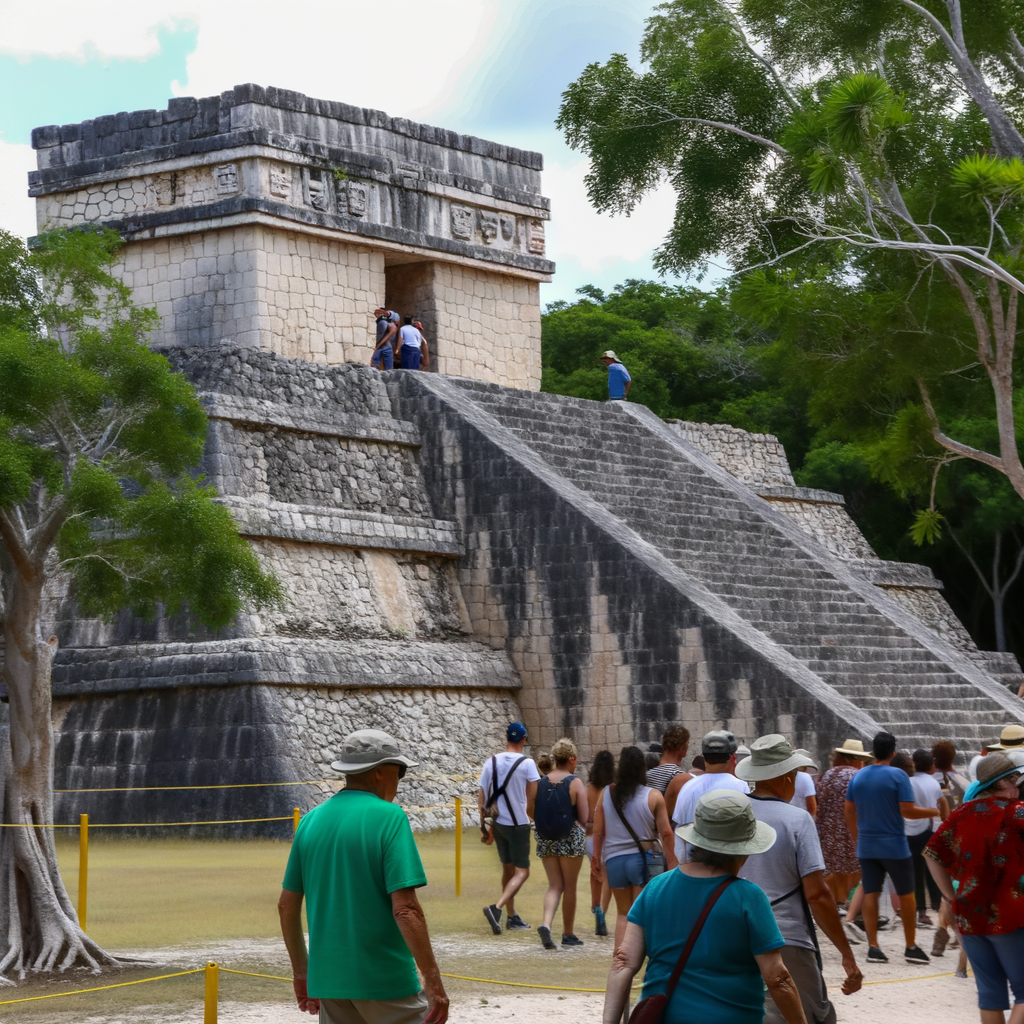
[{"x": 853, "y": 933}]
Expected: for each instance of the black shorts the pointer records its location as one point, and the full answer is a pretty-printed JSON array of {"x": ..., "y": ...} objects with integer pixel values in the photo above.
[
  {"x": 900, "y": 872},
  {"x": 513, "y": 843}
]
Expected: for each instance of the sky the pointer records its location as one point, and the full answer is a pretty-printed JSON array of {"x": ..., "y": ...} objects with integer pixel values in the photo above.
[{"x": 492, "y": 68}]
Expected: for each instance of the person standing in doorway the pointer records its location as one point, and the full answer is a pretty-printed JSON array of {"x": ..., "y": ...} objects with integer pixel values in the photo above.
[
  {"x": 878, "y": 799},
  {"x": 508, "y": 784},
  {"x": 559, "y": 816},
  {"x": 383, "y": 357},
  {"x": 355, "y": 862},
  {"x": 619, "y": 380},
  {"x": 674, "y": 746},
  {"x": 792, "y": 875},
  {"x": 412, "y": 347}
]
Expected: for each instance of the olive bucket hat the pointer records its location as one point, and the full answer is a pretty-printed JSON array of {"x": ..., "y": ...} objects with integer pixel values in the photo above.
[
  {"x": 366, "y": 749},
  {"x": 770, "y": 757},
  {"x": 724, "y": 822}
]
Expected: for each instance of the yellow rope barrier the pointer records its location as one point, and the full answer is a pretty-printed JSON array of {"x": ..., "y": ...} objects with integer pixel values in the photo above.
[
  {"x": 252, "y": 974},
  {"x": 236, "y": 785},
  {"x": 145, "y": 824},
  {"x": 100, "y": 988},
  {"x": 920, "y": 977}
]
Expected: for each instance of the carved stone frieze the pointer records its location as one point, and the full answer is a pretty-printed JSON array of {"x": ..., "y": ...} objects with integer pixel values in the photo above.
[{"x": 226, "y": 179}]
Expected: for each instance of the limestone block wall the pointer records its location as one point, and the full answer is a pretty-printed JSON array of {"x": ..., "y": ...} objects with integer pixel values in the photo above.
[
  {"x": 752, "y": 458},
  {"x": 830, "y": 524},
  {"x": 490, "y": 319},
  {"x": 303, "y": 296}
]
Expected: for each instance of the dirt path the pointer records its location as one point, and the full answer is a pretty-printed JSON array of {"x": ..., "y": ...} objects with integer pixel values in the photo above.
[{"x": 895, "y": 993}]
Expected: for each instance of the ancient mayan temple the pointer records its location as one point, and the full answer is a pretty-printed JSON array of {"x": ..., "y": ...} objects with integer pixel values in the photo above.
[{"x": 457, "y": 548}]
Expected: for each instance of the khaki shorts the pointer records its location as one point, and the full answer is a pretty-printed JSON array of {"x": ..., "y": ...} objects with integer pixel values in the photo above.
[{"x": 410, "y": 1010}]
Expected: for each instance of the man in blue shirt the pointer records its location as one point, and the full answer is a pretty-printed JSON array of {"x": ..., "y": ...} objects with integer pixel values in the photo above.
[
  {"x": 879, "y": 797},
  {"x": 619, "y": 380}
]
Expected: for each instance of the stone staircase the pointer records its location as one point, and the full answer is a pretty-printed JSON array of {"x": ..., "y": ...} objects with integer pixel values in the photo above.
[{"x": 742, "y": 552}]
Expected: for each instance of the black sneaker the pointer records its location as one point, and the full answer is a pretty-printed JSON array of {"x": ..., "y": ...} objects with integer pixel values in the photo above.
[
  {"x": 601, "y": 927},
  {"x": 493, "y": 915},
  {"x": 544, "y": 932},
  {"x": 876, "y": 956},
  {"x": 916, "y": 955},
  {"x": 571, "y": 940},
  {"x": 517, "y": 924}
]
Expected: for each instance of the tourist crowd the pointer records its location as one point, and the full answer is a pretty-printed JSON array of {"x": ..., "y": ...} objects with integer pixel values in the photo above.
[{"x": 723, "y": 875}]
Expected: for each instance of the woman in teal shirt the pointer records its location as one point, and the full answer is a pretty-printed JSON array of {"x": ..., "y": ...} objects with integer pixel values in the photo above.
[{"x": 737, "y": 949}]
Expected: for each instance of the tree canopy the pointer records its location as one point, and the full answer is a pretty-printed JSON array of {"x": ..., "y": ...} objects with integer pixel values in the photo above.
[{"x": 861, "y": 163}]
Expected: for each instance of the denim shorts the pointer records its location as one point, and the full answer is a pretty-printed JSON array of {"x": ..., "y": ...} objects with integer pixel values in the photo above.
[{"x": 997, "y": 960}]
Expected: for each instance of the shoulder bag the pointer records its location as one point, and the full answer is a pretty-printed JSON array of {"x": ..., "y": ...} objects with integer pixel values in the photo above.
[
  {"x": 654, "y": 860},
  {"x": 652, "y": 1009}
]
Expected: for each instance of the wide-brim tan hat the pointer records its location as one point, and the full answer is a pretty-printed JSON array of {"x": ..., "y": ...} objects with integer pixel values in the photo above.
[
  {"x": 770, "y": 757},
  {"x": 366, "y": 749},
  {"x": 724, "y": 822},
  {"x": 854, "y": 748},
  {"x": 1012, "y": 736}
]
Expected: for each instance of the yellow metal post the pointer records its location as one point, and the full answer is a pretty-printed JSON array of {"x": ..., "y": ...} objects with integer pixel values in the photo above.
[
  {"x": 210, "y": 1004},
  {"x": 296, "y": 815},
  {"x": 83, "y": 868},
  {"x": 458, "y": 846}
]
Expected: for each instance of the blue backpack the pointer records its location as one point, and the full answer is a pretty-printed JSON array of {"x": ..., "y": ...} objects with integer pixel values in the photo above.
[{"x": 553, "y": 812}]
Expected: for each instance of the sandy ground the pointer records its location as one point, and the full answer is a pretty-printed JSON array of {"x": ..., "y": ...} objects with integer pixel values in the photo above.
[{"x": 895, "y": 993}]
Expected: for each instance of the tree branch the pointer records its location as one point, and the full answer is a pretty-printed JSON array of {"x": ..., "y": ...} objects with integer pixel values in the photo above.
[
  {"x": 725, "y": 126},
  {"x": 957, "y": 447},
  {"x": 14, "y": 539}
]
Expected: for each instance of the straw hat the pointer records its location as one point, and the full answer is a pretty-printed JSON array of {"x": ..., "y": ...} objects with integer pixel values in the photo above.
[
  {"x": 854, "y": 748},
  {"x": 366, "y": 749},
  {"x": 770, "y": 757},
  {"x": 724, "y": 822},
  {"x": 1012, "y": 736}
]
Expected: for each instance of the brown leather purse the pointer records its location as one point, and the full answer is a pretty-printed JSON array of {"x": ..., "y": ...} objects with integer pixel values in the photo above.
[{"x": 652, "y": 1009}]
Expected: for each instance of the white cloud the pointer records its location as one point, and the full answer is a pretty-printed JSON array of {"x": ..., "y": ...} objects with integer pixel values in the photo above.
[
  {"x": 107, "y": 28},
  {"x": 17, "y": 211},
  {"x": 597, "y": 241},
  {"x": 402, "y": 56}
]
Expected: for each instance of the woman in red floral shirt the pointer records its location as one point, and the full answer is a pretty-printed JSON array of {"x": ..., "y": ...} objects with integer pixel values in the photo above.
[{"x": 981, "y": 846}]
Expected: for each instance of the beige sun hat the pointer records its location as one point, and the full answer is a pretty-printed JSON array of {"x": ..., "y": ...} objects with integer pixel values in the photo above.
[
  {"x": 366, "y": 749},
  {"x": 724, "y": 822},
  {"x": 1012, "y": 736},
  {"x": 609, "y": 354},
  {"x": 770, "y": 757},
  {"x": 854, "y": 748}
]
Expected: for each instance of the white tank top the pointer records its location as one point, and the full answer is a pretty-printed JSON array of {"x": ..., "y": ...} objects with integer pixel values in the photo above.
[{"x": 617, "y": 840}]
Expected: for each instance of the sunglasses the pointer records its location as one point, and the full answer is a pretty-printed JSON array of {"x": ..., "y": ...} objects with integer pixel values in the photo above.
[{"x": 402, "y": 769}]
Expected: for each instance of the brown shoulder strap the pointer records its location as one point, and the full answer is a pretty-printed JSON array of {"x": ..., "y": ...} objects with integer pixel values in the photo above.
[{"x": 692, "y": 940}]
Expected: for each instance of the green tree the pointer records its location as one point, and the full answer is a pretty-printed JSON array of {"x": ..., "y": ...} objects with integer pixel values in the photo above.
[
  {"x": 865, "y": 152},
  {"x": 98, "y": 441}
]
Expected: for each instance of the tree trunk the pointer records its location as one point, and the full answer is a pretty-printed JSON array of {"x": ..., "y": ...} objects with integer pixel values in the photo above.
[{"x": 38, "y": 925}]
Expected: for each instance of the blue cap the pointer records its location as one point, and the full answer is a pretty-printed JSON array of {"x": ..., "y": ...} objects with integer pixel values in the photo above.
[{"x": 516, "y": 732}]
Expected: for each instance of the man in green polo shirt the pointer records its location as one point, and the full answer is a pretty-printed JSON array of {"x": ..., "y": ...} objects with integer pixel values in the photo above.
[{"x": 356, "y": 863}]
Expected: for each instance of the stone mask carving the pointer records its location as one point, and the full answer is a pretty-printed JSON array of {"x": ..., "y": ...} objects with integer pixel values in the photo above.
[
  {"x": 489, "y": 227},
  {"x": 226, "y": 178},
  {"x": 462, "y": 222},
  {"x": 508, "y": 228},
  {"x": 357, "y": 199}
]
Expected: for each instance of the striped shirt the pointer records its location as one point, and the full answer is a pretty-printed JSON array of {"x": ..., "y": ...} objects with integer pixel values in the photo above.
[{"x": 661, "y": 775}]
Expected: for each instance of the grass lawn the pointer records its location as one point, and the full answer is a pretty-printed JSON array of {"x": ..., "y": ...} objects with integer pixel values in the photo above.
[{"x": 208, "y": 895}]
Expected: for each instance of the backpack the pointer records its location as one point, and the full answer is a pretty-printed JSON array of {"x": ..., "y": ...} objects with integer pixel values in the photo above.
[
  {"x": 553, "y": 812},
  {"x": 491, "y": 810}
]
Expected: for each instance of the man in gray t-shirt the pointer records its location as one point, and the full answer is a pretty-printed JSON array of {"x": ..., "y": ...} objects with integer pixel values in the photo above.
[{"x": 791, "y": 874}]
